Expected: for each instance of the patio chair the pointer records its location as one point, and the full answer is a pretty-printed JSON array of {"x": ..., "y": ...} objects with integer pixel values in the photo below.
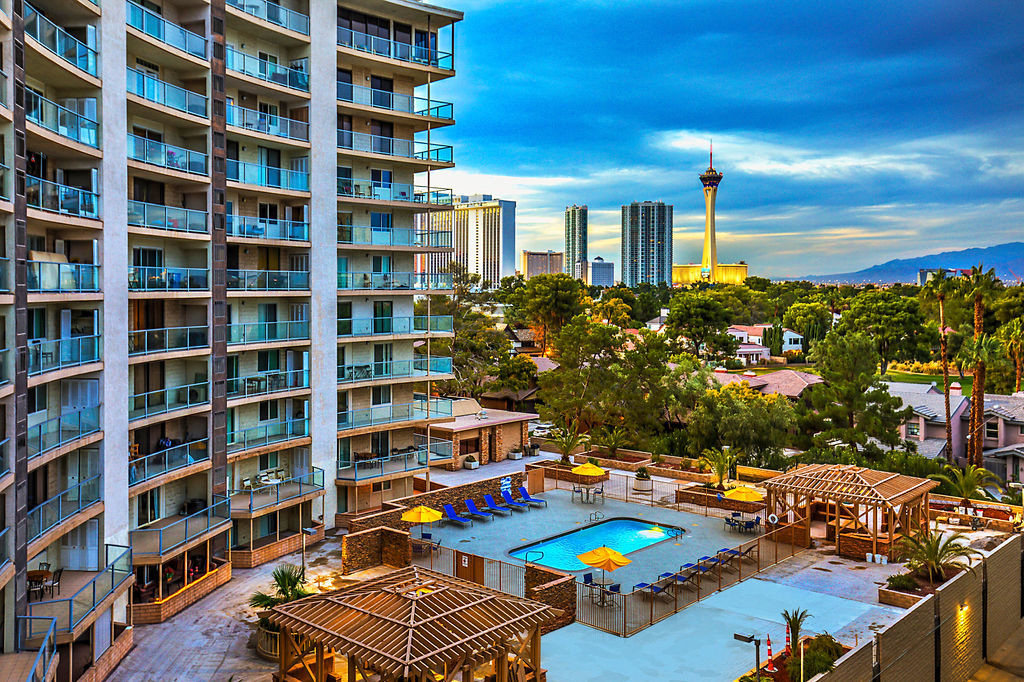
[
  {"x": 708, "y": 562},
  {"x": 577, "y": 490},
  {"x": 36, "y": 588},
  {"x": 532, "y": 501},
  {"x": 732, "y": 524},
  {"x": 451, "y": 515},
  {"x": 54, "y": 582},
  {"x": 737, "y": 554},
  {"x": 496, "y": 508},
  {"x": 597, "y": 492},
  {"x": 685, "y": 581},
  {"x": 44, "y": 566},
  {"x": 472, "y": 510},
  {"x": 512, "y": 504},
  {"x": 749, "y": 526}
]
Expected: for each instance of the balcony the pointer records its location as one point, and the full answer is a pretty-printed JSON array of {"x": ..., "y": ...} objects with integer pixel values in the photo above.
[
  {"x": 63, "y": 506},
  {"x": 390, "y": 281},
  {"x": 5, "y": 190},
  {"x": 72, "y": 610},
  {"x": 5, "y": 375},
  {"x": 58, "y": 119},
  {"x": 394, "y": 146},
  {"x": 61, "y": 430},
  {"x": 360, "y": 466},
  {"x": 149, "y": 278},
  {"x": 265, "y": 383},
  {"x": 267, "y": 176},
  {"x": 273, "y": 492},
  {"x": 263, "y": 70},
  {"x": 59, "y": 42},
  {"x": 154, "y": 90},
  {"x": 155, "y": 26},
  {"x": 268, "y": 280},
  {"x": 142, "y": 469},
  {"x": 167, "y": 340},
  {"x": 267, "y": 332},
  {"x": 5, "y": 275},
  {"x": 382, "y": 47},
  {"x": 274, "y": 14},
  {"x": 392, "y": 101},
  {"x": 388, "y": 326},
  {"x": 70, "y": 201},
  {"x": 267, "y": 434},
  {"x": 374, "y": 190},
  {"x": 5, "y": 457},
  {"x": 259, "y": 122},
  {"x": 394, "y": 236},
  {"x": 259, "y": 228},
  {"x": 3, "y": 90},
  {"x": 47, "y": 356},
  {"x": 28, "y": 663},
  {"x": 164, "y": 400},
  {"x": 62, "y": 278},
  {"x": 160, "y": 217},
  {"x": 394, "y": 369},
  {"x": 166, "y": 155},
  {"x": 163, "y": 536},
  {"x": 6, "y": 540},
  {"x": 391, "y": 414}
]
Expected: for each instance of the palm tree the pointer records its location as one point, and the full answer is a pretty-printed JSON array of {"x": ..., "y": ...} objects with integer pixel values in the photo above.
[
  {"x": 937, "y": 287},
  {"x": 795, "y": 620},
  {"x": 613, "y": 439},
  {"x": 978, "y": 351},
  {"x": 931, "y": 554},
  {"x": 288, "y": 586},
  {"x": 720, "y": 462},
  {"x": 967, "y": 483},
  {"x": 980, "y": 284},
  {"x": 568, "y": 439},
  {"x": 1012, "y": 336}
]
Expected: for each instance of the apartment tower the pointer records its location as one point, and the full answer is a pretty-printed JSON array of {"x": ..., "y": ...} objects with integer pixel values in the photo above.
[
  {"x": 646, "y": 243},
  {"x": 483, "y": 230},
  {"x": 575, "y": 239},
  {"x": 180, "y": 283},
  {"x": 541, "y": 263}
]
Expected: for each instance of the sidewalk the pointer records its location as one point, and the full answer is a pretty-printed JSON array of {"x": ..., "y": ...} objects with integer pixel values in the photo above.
[{"x": 1008, "y": 663}]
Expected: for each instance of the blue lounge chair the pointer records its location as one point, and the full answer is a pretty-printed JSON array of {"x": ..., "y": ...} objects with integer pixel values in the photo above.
[
  {"x": 532, "y": 501},
  {"x": 588, "y": 578},
  {"x": 685, "y": 580},
  {"x": 517, "y": 506},
  {"x": 451, "y": 515},
  {"x": 496, "y": 508},
  {"x": 476, "y": 513},
  {"x": 736, "y": 554}
]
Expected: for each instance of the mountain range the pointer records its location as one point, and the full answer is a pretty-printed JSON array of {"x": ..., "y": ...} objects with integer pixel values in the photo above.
[{"x": 1007, "y": 259}]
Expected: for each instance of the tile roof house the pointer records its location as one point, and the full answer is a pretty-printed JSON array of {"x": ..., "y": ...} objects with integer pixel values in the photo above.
[
  {"x": 927, "y": 427},
  {"x": 787, "y": 382},
  {"x": 1003, "y": 431},
  {"x": 755, "y": 334}
]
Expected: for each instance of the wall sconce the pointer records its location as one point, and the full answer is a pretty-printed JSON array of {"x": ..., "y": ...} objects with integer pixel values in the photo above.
[{"x": 963, "y": 607}]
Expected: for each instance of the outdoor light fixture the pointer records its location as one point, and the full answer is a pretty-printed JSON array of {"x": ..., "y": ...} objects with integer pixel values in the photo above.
[
  {"x": 305, "y": 532},
  {"x": 747, "y": 639}
]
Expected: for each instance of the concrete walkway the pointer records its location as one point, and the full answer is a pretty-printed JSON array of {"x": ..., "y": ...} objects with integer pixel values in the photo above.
[{"x": 1008, "y": 663}]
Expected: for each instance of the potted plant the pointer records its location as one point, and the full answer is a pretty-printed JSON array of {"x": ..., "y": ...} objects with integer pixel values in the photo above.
[
  {"x": 515, "y": 453},
  {"x": 643, "y": 482},
  {"x": 470, "y": 463},
  {"x": 288, "y": 586}
]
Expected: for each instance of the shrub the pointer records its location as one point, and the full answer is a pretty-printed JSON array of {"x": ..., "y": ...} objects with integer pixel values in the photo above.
[
  {"x": 903, "y": 582},
  {"x": 471, "y": 458},
  {"x": 656, "y": 458},
  {"x": 827, "y": 644},
  {"x": 794, "y": 356},
  {"x": 642, "y": 474},
  {"x": 815, "y": 663},
  {"x": 733, "y": 363}
]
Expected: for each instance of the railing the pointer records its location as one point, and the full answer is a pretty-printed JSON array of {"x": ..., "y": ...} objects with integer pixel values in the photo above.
[
  {"x": 276, "y": 493},
  {"x": 266, "y": 434},
  {"x": 152, "y": 24},
  {"x": 392, "y": 191},
  {"x": 5, "y": 546},
  {"x": 384, "y": 47},
  {"x": 71, "y": 610},
  {"x": 416, "y": 281},
  {"x": 261, "y": 228},
  {"x": 268, "y": 124},
  {"x": 5, "y": 274},
  {"x": 394, "y": 369},
  {"x": 389, "y": 414},
  {"x": 51, "y": 196},
  {"x": 60, "y": 120},
  {"x": 165, "y": 400},
  {"x": 151, "y": 88},
  {"x": 267, "y": 382},
  {"x": 46, "y": 277},
  {"x": 27, "y": 629},
  {"x": 3, "y": 89},
  {"x": 5, "y": 191},
  {"x": 265, "y": 70},
  {"x": 377, "y": 326},
  {"x": 159, "y": 541},
  {"x": 58, "y": 41},
  {"x": 151, "y": 278},
  {"x": 262, "y": 332},
  {"x": 5, "y": 456},
  {"x": 415, "y": 457},
  {"x": 268, "y": 280},
  {"x": 5, "y": 375},
  {"x": 274, "y": 13},
  {"x": 62, "y": 429},
  {"x": 267, "y": 176},
  {"x": 167, "y": 460},
  {"x": 160, "y": 217},
  {"x": 393, "y": 236},
  {"x": 63, "y": 506},
  {"x": 394, "y": 146},
  {"x": 45, "y": 355},
  {"x": 393, "y": 101},
  {"x": 166, "y": 155},
  {"x": 145, "y": 341}
]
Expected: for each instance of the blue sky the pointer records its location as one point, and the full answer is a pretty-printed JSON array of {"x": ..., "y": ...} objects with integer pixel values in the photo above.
[{"x": 849, "y": 133}]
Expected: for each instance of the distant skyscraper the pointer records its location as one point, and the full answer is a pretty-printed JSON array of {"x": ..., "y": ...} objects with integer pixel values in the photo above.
[
  {"x": 646, "y": 243},
  {"x": 483, "y": 234},
  {"x": 541, "y": 263},
  {"x": 575, "y": 237},
  {"x": 601, "y": 273}
]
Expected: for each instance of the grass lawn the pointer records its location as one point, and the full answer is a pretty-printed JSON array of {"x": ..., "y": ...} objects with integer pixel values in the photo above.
[{"x": 913, "y": 378}]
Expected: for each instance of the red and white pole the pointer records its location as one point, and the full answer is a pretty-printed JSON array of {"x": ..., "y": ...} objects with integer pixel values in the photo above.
[
  {"x": 788, "y": 650},
  {"x": 770, "y": 668}
]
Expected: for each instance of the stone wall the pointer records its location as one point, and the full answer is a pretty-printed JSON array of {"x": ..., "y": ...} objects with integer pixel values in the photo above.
[
  {"x": 293, "y": 543},
  {"x": 906, "y": 651},
  {"x": 158, "y": 612},
  {"x": 1003, "y": 604},
  {"x": 554, "y": 588},
  {"x": 903, "y": 600},
  {"x": 855, "y": 665},
  {"x": 379, "y": 546},
  {"x": 560, "y": 473},
  {"x": 395, "y": 547},
  {"x": 108, "y": 660},
  {"x": 855, "y": 546},
  {"x": 754, "y": 474},
  {"x": 961, "y": 614},
  {"x": 607, "y": 463},
  {"x": 681, "y": 474},
  {"x": 703, "y": 499}
]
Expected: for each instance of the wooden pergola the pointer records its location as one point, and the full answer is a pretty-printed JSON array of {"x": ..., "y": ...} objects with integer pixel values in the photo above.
[
  {"x": 863, "y": 509},
  {"x": 411, "y": 625}
]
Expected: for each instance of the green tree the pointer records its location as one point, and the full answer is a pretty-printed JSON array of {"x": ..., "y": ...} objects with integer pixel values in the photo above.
[
  {"x": 967, "y": 483},
  {"x": 550, "y": 302},
  {"x": 773, "y": 338},
  {"x": 931, "y": 554},
  {"x": 811, "y": 319},
  {"x": 1010, "y": 304},
  {"x": 938, "y": 288},
  {"x": 643, "y": 364},
  {"x": 895, "y": 324},
  {"x": 611, "y": 311},
  {"x": 511, "y": 293},
  {"x": 743, "y": 419},
  {"x": 1011, "y": 335},
  {"x": 980, "y": 287},
  {"x": 720, "y": 462},
  {"x": 515, "y": 373},
  {"x": 795, "y": 619},
  {"x": 613, "y": 438},
  {"x": 287, "y": 587},
  {"x": 979, "y": 351},
  {"x": 698, "y": 319},
  {"x": 567, "y": 439},
  {"x": 574, "y": 391}
]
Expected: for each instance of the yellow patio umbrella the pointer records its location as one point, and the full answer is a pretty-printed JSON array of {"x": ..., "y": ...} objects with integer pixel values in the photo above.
[
  {"x": 605, "y": 558},
  {"x": 588, "y": 469},
  {"x": 421, "y": 515},
  {"x": 744, "y": 494}
]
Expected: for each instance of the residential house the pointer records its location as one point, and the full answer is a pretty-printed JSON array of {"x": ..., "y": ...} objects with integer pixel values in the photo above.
[
  {"x": 787, "y": 382},
  {"x": 1003, "y": 431},
  {"x": 658, "y": 323},
  {"x": 488, "y": 435},
  {"x": 754, "y": 334},
  {"x": 927, "y": 427},
  {"x": 523, "y": 399}
]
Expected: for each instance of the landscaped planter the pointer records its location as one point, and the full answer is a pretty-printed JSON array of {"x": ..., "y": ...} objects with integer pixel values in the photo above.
[
  {"x": 621, "y": 463},
  {"x": 470, "y": 464},
  {"x": 903, "y": 600},
  {"x": 680, "y": 475},
  {"x": 643, "y": 485},
  {"x": 515, "y": 454}
]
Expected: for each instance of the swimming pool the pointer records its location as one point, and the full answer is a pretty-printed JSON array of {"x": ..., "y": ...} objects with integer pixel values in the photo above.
[{"x": 622, "y": 535}]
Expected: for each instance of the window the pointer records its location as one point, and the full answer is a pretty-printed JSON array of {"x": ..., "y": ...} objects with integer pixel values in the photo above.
[
  {"x": 36, "y": 399},
  {"x": 380, "y": 395},
  {"x": 1021, "y": 427},
  {"x": 268, "y": 361},
  {"x": 469, "y": 445},
  {"x": 992, "y": 429},
  {"x": 268, "y": 461},
  {"x": 380, "y": 443},
  {"x": 148, "y": 507},
  {"x": 380, "y": 486},
  {"x": 268, "y": 410},
  {"x": 913, "y": 429}
]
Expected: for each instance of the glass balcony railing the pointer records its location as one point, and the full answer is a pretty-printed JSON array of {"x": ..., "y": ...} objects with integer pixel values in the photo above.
[
  {"x": 393, "y": 101},
  {"x": 267, "y": 176},
  {"x": 5, "y": 373},
  {"x": 163, "y": 400},
  {"x": 147, "y": 278},
  {"x": 264, "y": 70},
  {"x": 260, "y": 228},
  {"x": 160, "y": 217},
  {"x": 353, "y": 467},
  {"x": 378, "y": 326},
  {"x": 71, "y": 610},
  {"x": 62, "y": 278},
  {"x": 259, "y": 122},
  {"x": 383, "y": 47},
  {"x": 166, "y": 155},
  {"x": 263, "y": 332},
  {"x": 60, "y": 120},
  {"x": 60, "y": 42},
  {"x": 51, "y": 196},
  {"x": 61, "y": 430},
  {"x": 267, "y": 382},
  {"x": 165, "y": 461},
  {"x": 393, "y": 191},
  {"x": 63, "y": 506},
  {"x": 44, "y": 631},
  {"x": 3, "y": 90},
  {"x": 265, "y": 434},
  {"x": 394, "y": 146},
  {"x": 390, "y": 414},
  {"x": 5, "y": 191},
  {"x": 5, "y": 274},
  {"x": 168, "y": 339},
  {"x": 274, "y": 13},
  {"x": 163, "y": 538},
  {"x": 5, "y": 456},
  {"x": 393, "y": 236},
  {"x": 394, "y": 369},
  {"x": 263, "y": 496},
  {"x": 151, "y": 88},
  {"x": 5, "y": 546},
  {"x": 155, "y": 26},
  {"x": 268, "y": 280},
  {"x": 413, "y": 281},
  {"x": 46, "y": 356}
]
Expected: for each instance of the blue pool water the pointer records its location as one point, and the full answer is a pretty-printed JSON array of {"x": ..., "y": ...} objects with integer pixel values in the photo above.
[{"x": 622, "y": 535}]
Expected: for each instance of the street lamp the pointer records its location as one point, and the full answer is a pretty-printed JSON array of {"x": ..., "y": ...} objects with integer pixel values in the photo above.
[
  {"x": 757, "y": 651},
  {"x": 305, "y": 532}
]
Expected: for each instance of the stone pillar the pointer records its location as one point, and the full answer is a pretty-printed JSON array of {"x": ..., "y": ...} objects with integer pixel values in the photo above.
[{"x": 485, "y": 446}]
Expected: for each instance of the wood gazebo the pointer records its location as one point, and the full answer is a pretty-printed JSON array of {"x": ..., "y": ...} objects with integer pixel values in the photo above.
[
  {"x": 411, "y": 625},
  {"x": 862, "y": 510}
]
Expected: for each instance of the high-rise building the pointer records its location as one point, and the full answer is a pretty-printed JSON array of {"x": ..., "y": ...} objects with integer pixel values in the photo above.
[
  {"x": 189, "y": 369},
  {"x": 484, "y": 236},
  {"x": 575, "y": 238},
  {"x": 646, "y": 243},
  {"x": 541, "y": 263},
  {"x": 601, "y": 273}
]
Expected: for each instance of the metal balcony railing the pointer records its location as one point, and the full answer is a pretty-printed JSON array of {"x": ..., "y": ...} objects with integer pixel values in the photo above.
[
  {"x": 390, "y": 414},
  {"x": 393, "y": 101},
  {"x": 59, "y": 42},
  {"x": 415, "y": 281},
  {"x": 261, "y": 228},
  {"x": 165, "y": 538},
  {"x": 267, "y": 176},
  {"x": 268, "y": 124},
  {"x": 152, "y": 278},
  {"x": 71, "y": 610},
  {"x": 360, "y": 188},
  {"x": 264, "y": 70},
  {"x": 166, "y": 155},
  {"x": 393, "y": 236},
  {"x": 160, "y": 217},
  {"x": 49, "y": 355},
  {"x": 357, "y": 466},
  {"x": 61, "y": 430},
  {"x": 39, "y": 627},
  {"x": 62, "y": 278},
  {"x": 268, "y": 280},
  {"x": 264, "y": 383},
  {"x": 163, "y": 400},
  {"x": 167, "y": 460},
  {"x": 383, "y": 47},
  {"x": 51, "y": 196},
  {"x": 168, "y": 339},
  {"x": 394, "y": 146},
  {"x": 274, "y": 13},
  {"x": 264, "y": 332},
  {"x": 169, "y": 33},
  {"x": 268, "y": 495},
  {"x": 63, "y": 506},
  {"x": 151, "y": 88},
  {"x": 377, "y": 326},
  {"x": 265, "y": 434},
  {"x": 393, "y": 369},
  {"x": 60, "y": 120}
]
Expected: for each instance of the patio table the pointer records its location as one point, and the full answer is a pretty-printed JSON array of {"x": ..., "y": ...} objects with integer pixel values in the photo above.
[{"x": 598, "y": 590}]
